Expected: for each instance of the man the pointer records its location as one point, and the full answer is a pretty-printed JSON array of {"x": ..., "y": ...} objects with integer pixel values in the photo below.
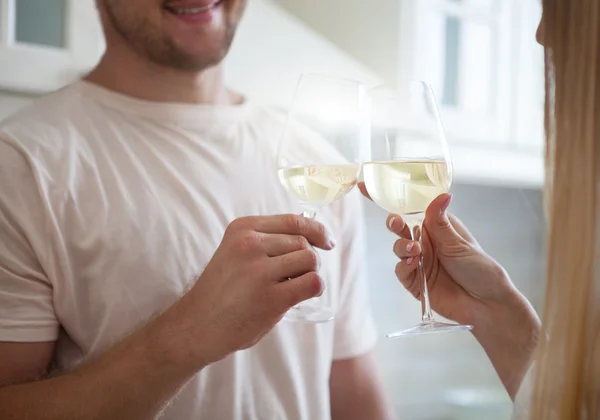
[{"x": 140, "y": 261}]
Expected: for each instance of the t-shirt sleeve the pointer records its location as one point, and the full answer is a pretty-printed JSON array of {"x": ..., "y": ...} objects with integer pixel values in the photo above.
[
  {"x": 26, "y": 309},
  {"x": 355, "y": 332}
]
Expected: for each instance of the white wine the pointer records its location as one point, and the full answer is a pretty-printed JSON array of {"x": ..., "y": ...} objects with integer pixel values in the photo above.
[
  {"x": 406, "y": 187},
  {"x": 318, "y": 186}
]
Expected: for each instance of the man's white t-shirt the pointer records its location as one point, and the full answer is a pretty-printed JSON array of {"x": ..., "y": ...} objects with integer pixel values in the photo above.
[{"x": 110, "y": 207}]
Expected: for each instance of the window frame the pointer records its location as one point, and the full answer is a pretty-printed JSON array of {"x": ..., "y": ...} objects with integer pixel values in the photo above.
[
  {"x": 500, "y": 128},
  {"x": 61, "y": 65},
  {"x": 529, "y": 108}
]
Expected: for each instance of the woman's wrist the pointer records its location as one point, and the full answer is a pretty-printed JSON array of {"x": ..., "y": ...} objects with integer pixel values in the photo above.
[
  {"x": 512, "y": 311},
  {"x": 509, "y": 331},
  {"x": 506, "y": 306}
]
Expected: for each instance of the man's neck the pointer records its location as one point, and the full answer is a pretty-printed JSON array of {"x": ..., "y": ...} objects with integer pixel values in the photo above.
[{"x": 148, "y": 81}]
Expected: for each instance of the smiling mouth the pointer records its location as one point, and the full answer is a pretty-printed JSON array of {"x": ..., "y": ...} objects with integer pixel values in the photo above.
[{"x": 193, "y": 10}]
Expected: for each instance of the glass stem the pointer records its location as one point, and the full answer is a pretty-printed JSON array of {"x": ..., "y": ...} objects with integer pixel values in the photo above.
[
  {"x": 309, "y": 213},
  {"x": 416, "y": 232}
]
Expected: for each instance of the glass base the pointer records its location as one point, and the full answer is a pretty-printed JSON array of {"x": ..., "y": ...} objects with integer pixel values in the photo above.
[
  {"x": 431, "y": 327},
  {"x": 309, "y": 313}
]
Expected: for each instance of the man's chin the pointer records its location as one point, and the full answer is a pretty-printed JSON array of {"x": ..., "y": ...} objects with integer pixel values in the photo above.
[
  {"x": 192, "y": 62},
  {"x": 189, "y": 57}
]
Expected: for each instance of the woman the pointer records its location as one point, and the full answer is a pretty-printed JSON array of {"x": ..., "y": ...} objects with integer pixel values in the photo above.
[{"x": 468, "y": 286}]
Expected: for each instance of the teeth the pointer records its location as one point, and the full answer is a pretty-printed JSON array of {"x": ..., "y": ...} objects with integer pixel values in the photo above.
[{"x": 192, "y": 10}]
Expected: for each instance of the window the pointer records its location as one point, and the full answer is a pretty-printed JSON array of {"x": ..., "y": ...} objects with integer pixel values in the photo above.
[
  {"x": 481, "y": 58},
  {"x": 529, "y": 86},
  {"x": 45, "y": 44},
  {"x": 40, "y": 22},
  {"x": 459, "y": 51}
]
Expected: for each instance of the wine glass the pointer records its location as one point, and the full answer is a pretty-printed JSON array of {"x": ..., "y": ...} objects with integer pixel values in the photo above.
[
  {"x": 319, "y": 157},
  {"x": 409, "y": 166}
]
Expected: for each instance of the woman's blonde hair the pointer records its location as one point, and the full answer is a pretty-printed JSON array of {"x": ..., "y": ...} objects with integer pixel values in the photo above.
[{"x": 567, "y": 385}]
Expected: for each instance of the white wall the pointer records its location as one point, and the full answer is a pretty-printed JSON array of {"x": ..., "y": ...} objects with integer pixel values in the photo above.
[
  {"x": 345, "y": 22},
  {"x": 272, "y": 49}
]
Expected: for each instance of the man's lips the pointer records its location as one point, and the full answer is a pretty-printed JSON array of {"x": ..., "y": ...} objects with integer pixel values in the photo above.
[{"x": 191, "y": 7}]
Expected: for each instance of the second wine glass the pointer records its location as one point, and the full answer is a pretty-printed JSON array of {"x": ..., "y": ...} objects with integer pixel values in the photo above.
[
  {"x": 409, "y": 167},
  {"x": 320, "y": 156}
]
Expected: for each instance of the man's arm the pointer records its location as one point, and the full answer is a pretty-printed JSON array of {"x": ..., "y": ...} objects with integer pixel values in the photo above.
[
  {"x": 231, "y": 307},
  {"x": 24, "y": 362},
  {"x": 133, "y": 380},
  {"x": 356, "y": 390}
]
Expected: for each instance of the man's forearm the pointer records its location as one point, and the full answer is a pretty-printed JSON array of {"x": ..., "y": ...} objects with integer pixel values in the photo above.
[
  {"x": 133, "y": 380},
  {"x": 509, "y": 336}
]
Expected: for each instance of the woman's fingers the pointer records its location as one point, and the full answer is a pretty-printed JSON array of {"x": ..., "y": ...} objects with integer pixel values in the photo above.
[
  {"x": 438, "y": 207},
  {"x": 462, "y": 230},
  {"x": 406, "y": 273},
  {"x": 397, "y": 225},
  {"x": 407, "y": 249},
  {"x": 363, "y": 189}
]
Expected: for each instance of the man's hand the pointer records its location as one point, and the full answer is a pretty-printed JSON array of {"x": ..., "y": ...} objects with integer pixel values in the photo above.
[{"x": 263, "y": 267}]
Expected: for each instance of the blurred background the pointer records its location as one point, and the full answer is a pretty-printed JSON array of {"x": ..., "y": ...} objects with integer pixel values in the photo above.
[{"x": 487, "y": 72}]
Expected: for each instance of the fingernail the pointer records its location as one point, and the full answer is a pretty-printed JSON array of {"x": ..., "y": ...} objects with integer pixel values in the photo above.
[
  {"x": 322, "y": 289},
  {"x": 331, "y": 240},
  {"x": 391, "y": 222},
  {"x": 409, "y": 260},
  {"x": 446, "y": 205},
  {"x": 410, "y": 246}
]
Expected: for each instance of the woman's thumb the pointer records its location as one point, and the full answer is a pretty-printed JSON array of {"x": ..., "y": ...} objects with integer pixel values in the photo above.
[{"x": 438, "y": 226}]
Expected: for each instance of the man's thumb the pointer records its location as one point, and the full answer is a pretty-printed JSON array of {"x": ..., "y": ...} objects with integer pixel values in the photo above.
[{"x": 438, "y": 226}]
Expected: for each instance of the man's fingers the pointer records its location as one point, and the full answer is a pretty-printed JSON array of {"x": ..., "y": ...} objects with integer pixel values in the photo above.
[
  {"x": 363, "y": 189},
  {"x": 292, "y": 224},
  {"x": 279, "y": 244},
  {"x": 397, "y": 225},
  {"x": 405, "y": 248},
  {"x": 295, "y": 264},
  {"x": 299, "y": 289}
]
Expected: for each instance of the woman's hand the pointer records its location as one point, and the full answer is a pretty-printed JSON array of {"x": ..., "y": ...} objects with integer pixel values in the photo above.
[
  {"x": 468, "y": 286},
  {"x": 461, "y": 277}
]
